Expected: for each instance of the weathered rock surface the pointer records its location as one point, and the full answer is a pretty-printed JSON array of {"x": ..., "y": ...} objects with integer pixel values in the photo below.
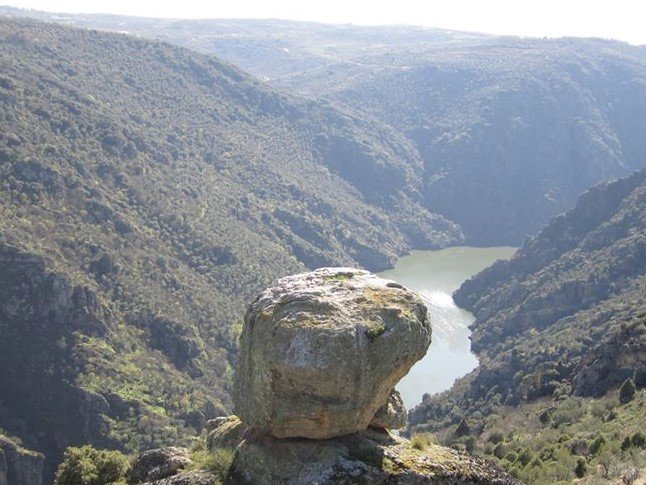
[
  {"x": 224, "y": 432},
  {"x": 321, "y": 352},
  {"x": 18, "y": 465},
  {"x": 189, "y": 478},
  {"x": 160, "y": 463},
  {"x": 391, "y": 415},
  {"x": 373, "y": 457}
]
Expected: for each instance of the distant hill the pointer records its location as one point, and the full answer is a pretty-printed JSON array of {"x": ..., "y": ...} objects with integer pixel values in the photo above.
[
  {"x": 146, "y": 194},
  {"x": 500, "y": 122},
  {"x": 559, "y": 329}
]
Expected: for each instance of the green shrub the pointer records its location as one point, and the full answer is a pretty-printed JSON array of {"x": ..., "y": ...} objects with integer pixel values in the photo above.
[
  {"x": 89, "y": 466},
  {"x": 547, "y": 453},
  {"x": 422, "y": 441},
  {"x": 514, "y": 471},
  {"x": 463, "y": 428},
  {"x": 511, "y": 457},
  {"x": 568, "y": 412},
  {"x": 581, "y": 468},
  {"x": 597, "y": 444},
  {"x": 525, "y": 456},
  {"x": 536, "y": 463},
  {"x": 470, "y": 444},
  {"x": 612, "y": 415},
  {"x": 637, "y": 440},
  {"x": 545, "y": 417},
  {"x": 217, "y": 462}
]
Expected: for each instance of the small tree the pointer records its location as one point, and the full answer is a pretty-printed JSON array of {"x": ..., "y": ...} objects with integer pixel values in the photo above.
[
  {"x": 627, "y": 391},
  {"x": 463, "y": 428},
  {"x": 638, "y": 440},
  {"x": 581, "y": 468},
  {"x": 89, "y": 466},
  {"x": 525, "y": 456},
  {"x": 499, "y": 451},
  {"x": 470, "y": 444},
  {"x": 597, "y": 444}
]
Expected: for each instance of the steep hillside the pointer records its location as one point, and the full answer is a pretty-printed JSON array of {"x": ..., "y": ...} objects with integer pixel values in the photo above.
[
  {"x": 513, "y": 131},
  {"x": 560, "y": 327},
  {"x": 501, "y": 122},
  {"x": 146, "y": 192}
]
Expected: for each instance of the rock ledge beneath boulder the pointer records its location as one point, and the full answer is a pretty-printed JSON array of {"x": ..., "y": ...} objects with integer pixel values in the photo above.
[{"x": 374, "y": 457}]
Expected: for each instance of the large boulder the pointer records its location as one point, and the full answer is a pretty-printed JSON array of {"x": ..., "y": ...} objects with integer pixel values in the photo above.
[
  {"x": 322, "y": 351},
  {"x": 374, "y": 457}
]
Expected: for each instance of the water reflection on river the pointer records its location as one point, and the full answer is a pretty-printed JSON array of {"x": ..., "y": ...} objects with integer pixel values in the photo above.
[{"x": 436, "y": 275}]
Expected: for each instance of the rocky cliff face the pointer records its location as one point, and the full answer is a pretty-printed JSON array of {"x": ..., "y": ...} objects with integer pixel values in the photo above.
[
  {"x": 19, "y": 466},
  {"x": 372, "y": 456},
  {"x": 39, "y": 400}
]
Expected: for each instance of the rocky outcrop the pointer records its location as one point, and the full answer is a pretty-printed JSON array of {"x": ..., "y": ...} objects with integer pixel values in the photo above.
[
  {"x": 391, "y": 415},
  {"x": 18, "y": 465},
  {"x": 321, "y": 354},
  {"x": 608, "y": 363},
  {"x": 374, "y": 457},
  {"x": 190, "y": 478},
  {"x": 159, "y": 464},
  {"x": 224, "y": 432},
  {"x": 322, "y": 351}
]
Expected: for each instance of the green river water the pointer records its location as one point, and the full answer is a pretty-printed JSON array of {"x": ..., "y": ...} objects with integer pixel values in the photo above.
[{"x": 436, "y": 275}]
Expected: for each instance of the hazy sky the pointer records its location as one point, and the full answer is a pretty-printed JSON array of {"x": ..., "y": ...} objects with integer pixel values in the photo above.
[{"x": 618, "y": 19}]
